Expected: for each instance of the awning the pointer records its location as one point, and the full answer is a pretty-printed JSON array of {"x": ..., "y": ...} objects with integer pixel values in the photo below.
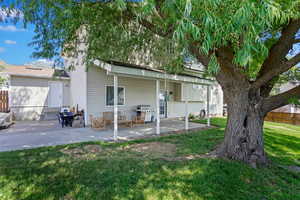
[{"x": 150, "y": 74}]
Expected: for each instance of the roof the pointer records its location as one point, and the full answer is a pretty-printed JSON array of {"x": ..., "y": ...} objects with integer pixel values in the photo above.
[
  {"x": 32, "y": 71},
  {"x": 150, "y": 68},
  {"x": 132, "y": 70}
]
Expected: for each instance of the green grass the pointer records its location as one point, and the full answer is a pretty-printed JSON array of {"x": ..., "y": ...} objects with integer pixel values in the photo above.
[{"x": 118, "y": 173}]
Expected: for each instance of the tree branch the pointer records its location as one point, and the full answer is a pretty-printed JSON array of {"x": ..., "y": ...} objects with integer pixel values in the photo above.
[
  {"x": 294, "y": 61},
  {"x": 276, "y": 61},
  {"x": 281, "y": 67},
  {"x": 150, "y": 26},
  {"x": 280, "y": 100},
  {"x": 281, "y": 48}
]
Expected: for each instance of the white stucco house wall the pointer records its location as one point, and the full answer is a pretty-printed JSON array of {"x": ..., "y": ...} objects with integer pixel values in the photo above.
[
  {"x": 91, "y": 89},
  {"x": 35, "y": 93}
]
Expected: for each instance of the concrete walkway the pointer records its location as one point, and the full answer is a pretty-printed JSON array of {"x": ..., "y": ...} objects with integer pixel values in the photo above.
[{"x": 26, "y": 135}]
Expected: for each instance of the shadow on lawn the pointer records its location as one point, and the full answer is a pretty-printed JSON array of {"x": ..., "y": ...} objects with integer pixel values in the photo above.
[
  {"x": 126, "y": 175},
  {"x": 282, "y": 147}
]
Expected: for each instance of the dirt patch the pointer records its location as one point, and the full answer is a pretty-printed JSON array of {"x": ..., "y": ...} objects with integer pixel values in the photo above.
[
  {"x": 85, "y": 152},
  {"x": 166, "y": 151},
  {"x": 93, "y": 148},
  {"x": 190, "y": 157},
  {"x": 157, "y": 149}
]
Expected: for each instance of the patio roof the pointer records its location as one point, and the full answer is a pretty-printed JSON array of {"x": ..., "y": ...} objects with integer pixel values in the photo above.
[
  {"x": 117, "y": 69},
  {"x": 124, "y": 69}
]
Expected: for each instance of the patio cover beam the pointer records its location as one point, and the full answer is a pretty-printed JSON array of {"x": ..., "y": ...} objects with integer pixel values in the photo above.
[
  {"x": 115, "y": 107},
  {"x": 208, "y": 101},
  {"x": 157, "y": 107},
  {"x": 148, "y": 74},
  {"x": 186, "y": 109}
]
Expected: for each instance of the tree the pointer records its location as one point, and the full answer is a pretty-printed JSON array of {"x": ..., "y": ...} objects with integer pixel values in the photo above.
[{"x": 243, "y": 44}]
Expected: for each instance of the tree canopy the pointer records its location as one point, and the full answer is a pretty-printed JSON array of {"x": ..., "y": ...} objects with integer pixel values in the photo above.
[{"x": 118, "y": 29}]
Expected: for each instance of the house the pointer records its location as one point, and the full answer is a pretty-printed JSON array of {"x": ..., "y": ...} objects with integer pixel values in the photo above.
[
  {"x": 35, "y": 93},
  {"x": 290, "y": 108},
  {"x": 93, "y": 89}
]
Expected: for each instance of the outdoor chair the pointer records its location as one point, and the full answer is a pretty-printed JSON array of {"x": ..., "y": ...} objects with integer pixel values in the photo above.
[
  {"x": 97, "y": 122},
  {"x": 108, "y": 117},
  {"x": 65, "y": 119},
  {"x": 79, "y": 118},
  {"x": 140, "y": 119}
]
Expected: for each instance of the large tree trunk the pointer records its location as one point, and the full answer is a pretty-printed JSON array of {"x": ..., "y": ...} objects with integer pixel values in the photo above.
[{"x": 244, "y": 132}]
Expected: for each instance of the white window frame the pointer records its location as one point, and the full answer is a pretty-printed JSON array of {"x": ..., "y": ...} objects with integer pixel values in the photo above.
[{"x": 118, "y": 88}]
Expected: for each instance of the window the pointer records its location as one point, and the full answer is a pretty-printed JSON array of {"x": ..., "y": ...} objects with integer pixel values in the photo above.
[{"x": 110, "y": 96}]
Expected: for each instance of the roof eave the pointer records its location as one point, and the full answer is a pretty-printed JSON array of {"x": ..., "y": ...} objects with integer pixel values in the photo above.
[{"x": 144, "y": 73}]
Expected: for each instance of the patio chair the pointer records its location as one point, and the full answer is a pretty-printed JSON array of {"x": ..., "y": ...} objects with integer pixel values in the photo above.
[
  {"x": 108, "y": 117},
  {"x": 140, "y": 119},
  {"x": 97, "y": 122},
  {"x": 79, "y": 118}
]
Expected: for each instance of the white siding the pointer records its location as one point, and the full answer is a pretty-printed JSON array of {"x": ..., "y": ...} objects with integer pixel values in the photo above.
[
  {"x": 197, "y": 97},
  {"x": 177, "y": 109},
  {"x": 66, "y": 93},
  {"x": 28, "y": 92},
  {"x": 142, "y": 91},
  {"x": 137, "y": 91},
  {"x": 78, "y": 87},
  {"x": 28, "y": 97}
]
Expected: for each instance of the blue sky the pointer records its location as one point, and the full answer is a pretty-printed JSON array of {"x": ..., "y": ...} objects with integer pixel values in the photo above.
[{"x": 14, "y": 40}]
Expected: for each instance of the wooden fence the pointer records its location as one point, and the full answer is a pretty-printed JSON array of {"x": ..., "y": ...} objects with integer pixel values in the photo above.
[
  {"x": 288, "y": 118},
  {"x": 4, "y": 107}
]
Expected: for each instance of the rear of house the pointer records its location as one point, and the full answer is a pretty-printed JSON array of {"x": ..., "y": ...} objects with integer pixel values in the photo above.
[
  {"x": 35, "y": 93},
  {"x": 92, "y": 89},
  {"x": 290, "y": 108}
]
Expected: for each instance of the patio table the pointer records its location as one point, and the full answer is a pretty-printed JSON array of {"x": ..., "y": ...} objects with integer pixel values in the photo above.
[{"x": 66, "y": 118}]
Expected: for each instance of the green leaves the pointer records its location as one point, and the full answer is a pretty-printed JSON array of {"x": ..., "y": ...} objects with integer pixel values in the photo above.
[
  {"x": 213, "y": 66},
  {"x": 115, "y": 30}
]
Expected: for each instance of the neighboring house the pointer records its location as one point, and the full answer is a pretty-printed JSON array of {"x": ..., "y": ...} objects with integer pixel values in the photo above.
[
  {"x": 288, "y": 108},
  {"x": 92, "y": 89},
  {"x": 35, "y": 93}
]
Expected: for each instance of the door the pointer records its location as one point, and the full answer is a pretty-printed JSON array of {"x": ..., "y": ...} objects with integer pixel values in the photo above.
[
  {"x": 162, "y": 104},
  {"x": 55, "y": 99}
]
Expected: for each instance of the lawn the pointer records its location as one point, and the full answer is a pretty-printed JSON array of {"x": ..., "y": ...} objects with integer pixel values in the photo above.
[{"x": 128, "y": 171}]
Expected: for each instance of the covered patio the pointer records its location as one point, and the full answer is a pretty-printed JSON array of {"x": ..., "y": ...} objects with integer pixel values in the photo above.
[
  {"x": 167, "y": 126},
  {"x": 157, "y": 76},
  {"x": 29, "y": 135}
]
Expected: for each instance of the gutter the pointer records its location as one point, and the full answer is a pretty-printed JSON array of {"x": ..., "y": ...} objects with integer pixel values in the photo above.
[{"x": 127, "y": 71}]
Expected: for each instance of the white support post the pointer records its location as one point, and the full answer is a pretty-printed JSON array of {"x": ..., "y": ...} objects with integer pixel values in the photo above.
[
  {"x": 115, "y": 107},
  {"x": 157, "y": 108},
  {"x": 186, "y": 108},
  {"x": 208, "y": 101}
]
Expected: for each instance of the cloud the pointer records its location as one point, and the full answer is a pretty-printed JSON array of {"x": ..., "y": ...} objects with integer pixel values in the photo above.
[
  {"x": 11, "y": 28},
  {"x": 2, "y": 49},
  {"x": 10, "y": 42},
  {"x": 6, "y": 13},
  {"x": 41, "y": 63}
]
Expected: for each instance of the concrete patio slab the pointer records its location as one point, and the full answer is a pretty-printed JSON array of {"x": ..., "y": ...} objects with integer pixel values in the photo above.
[{"x": 26, "y": 135}]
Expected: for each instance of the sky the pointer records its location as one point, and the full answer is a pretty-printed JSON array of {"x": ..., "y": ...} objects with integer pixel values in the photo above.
[{"x": 14, "y": 42}]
